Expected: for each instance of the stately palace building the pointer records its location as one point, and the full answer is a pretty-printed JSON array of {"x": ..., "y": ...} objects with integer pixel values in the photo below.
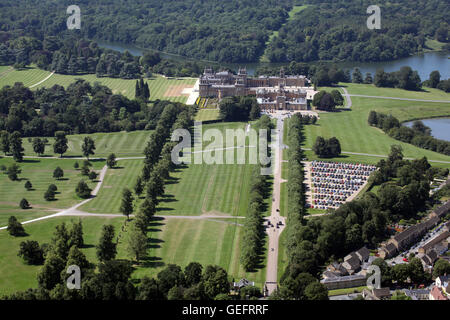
[{"x": 272, "y": 93}]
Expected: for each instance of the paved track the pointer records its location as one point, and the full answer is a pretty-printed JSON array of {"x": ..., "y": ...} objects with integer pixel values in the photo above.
[{"x": 275, "y": 217}]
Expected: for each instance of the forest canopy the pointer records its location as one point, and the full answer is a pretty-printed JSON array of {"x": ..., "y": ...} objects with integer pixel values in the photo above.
[{"x": 240, "y": 30}]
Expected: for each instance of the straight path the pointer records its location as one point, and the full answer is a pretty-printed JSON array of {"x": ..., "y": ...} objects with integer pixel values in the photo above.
[
  {"x": 393, "y": 98},
  {"x": 275, "y": 218},
  {"x": 381, "y": 156}
]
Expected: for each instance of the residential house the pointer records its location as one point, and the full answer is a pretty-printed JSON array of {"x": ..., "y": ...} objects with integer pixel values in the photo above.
[
  {"x": 437, "y": 294},
  {"x": 352, "y": 281},
  {"x": 432, "y": 243},
  {"x": 417, "y": 294},
  {"x": 442, "y": 210},
  {"x": 352, "y": 263}
]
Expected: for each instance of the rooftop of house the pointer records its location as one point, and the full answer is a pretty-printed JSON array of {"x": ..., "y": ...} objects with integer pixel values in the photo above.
[
  {"x": 364, "y": 253},
  {"x": 344, "y": 278},
  {"x": 437, "y": 294},
  {"x": 443, "y": 209},
  {"x": 352, "y": 264},
  {"x": 382, "y": 292}
]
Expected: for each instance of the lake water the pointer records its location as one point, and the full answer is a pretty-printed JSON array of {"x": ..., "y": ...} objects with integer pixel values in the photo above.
[
  {"x": 440, "y": 127},
  {"x": 423, "y": 63}
]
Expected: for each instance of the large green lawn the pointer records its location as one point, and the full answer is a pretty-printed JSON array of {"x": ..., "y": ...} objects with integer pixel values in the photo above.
[
  {"x": 355, "y": 135},
  {"x": 27, "y": 76},
  {"x": 122, "y": 144},
  {"x": 109, "y": 198},
  {"x": 170, "y": 241},
  {"x": 16, "y": 275},
  {"x": 372, "y": 90},
  {"x": 40, "y": 174},
  {"x": 207, "y": 115},
  {"x": 182, "y": 241},
  {"x": 158, "y": 85},
  {"x": 193, "y": 189}
]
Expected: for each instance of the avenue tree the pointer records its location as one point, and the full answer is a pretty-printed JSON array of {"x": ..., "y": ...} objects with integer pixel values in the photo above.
[
  {"x": 88, "y": 147},
  {"x": 60, "y": 146},
  {"x": 126, "y": 206},
  {"x": 106, "y": 248}
]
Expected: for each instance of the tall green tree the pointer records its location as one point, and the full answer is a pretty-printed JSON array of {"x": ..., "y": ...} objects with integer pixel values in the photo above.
[
  {"x": 435, "y": 78},
  {"x": 82, "y": 190},
  {"x": 107, "y": 247},
  {"x": 13, "y": 172},
  {"x": 16, "y": 148},
  {"x": 88, "y": 147},
  {"x": 76, "y": 234},
  {"x": 15, "y": 228},
  {"x": 38, "y": 146},
  {"x": 137, "y": 242},
  {"x": 126, "y": 206},
  {"x": 4, "y": 142},
  {"x": 111, "y": 161},
  {"x": 357, "y": 76},
  {"x": 58, "y": 173},
  {"x": 60, "y": 146}
]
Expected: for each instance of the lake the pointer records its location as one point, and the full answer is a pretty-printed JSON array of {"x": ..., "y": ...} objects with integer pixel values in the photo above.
[
  {"x": 440, "y": 127},
  {"x": 423, "y": 63}
]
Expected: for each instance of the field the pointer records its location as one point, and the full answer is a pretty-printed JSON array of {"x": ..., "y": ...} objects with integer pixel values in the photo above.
[
  {"x": 355, "y": 135},
  {"x": 194, "y": 189},
  {"x": 171, "y": 241},
  {"x": 207, "y": 115},
  {"x": 27, "y": 76},
  {"x": 110, "y": 195},
  {"x": 16, "y": 275},
  {"x": 122, "y": 144},
  {"x": 182, "y": 241},
  {"x": 372, "y": 90},
  {"x": 40, "y": 174},
  {"x": 159, "y": 86}
]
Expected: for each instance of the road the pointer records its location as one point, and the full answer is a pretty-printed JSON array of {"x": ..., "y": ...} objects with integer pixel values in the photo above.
[
  {"x": 275, "y": 217},
  {"x": 348, "y": 99},
  {"x": 380, "y": 156},
  {"x": 393, "y": 98}
]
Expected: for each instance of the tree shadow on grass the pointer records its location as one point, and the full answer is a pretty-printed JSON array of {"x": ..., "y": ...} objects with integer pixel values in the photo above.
[
  {"x": 30, "y": 161},
  {"x": 152, "y": 262},
  {"x": 160, "y": 209},
  {"x": 154, "y": 243},
  {"x": 168, "y": 198}
]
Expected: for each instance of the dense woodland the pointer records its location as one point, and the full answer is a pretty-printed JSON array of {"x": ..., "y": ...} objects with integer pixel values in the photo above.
[
  {"x": 336, "y": 30},
  {"x": 81, "y": 108},
  {"x": 73, "y": 55},
  {"x": 231, "y": 31},
  {"x": 239, "y": 30}
]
